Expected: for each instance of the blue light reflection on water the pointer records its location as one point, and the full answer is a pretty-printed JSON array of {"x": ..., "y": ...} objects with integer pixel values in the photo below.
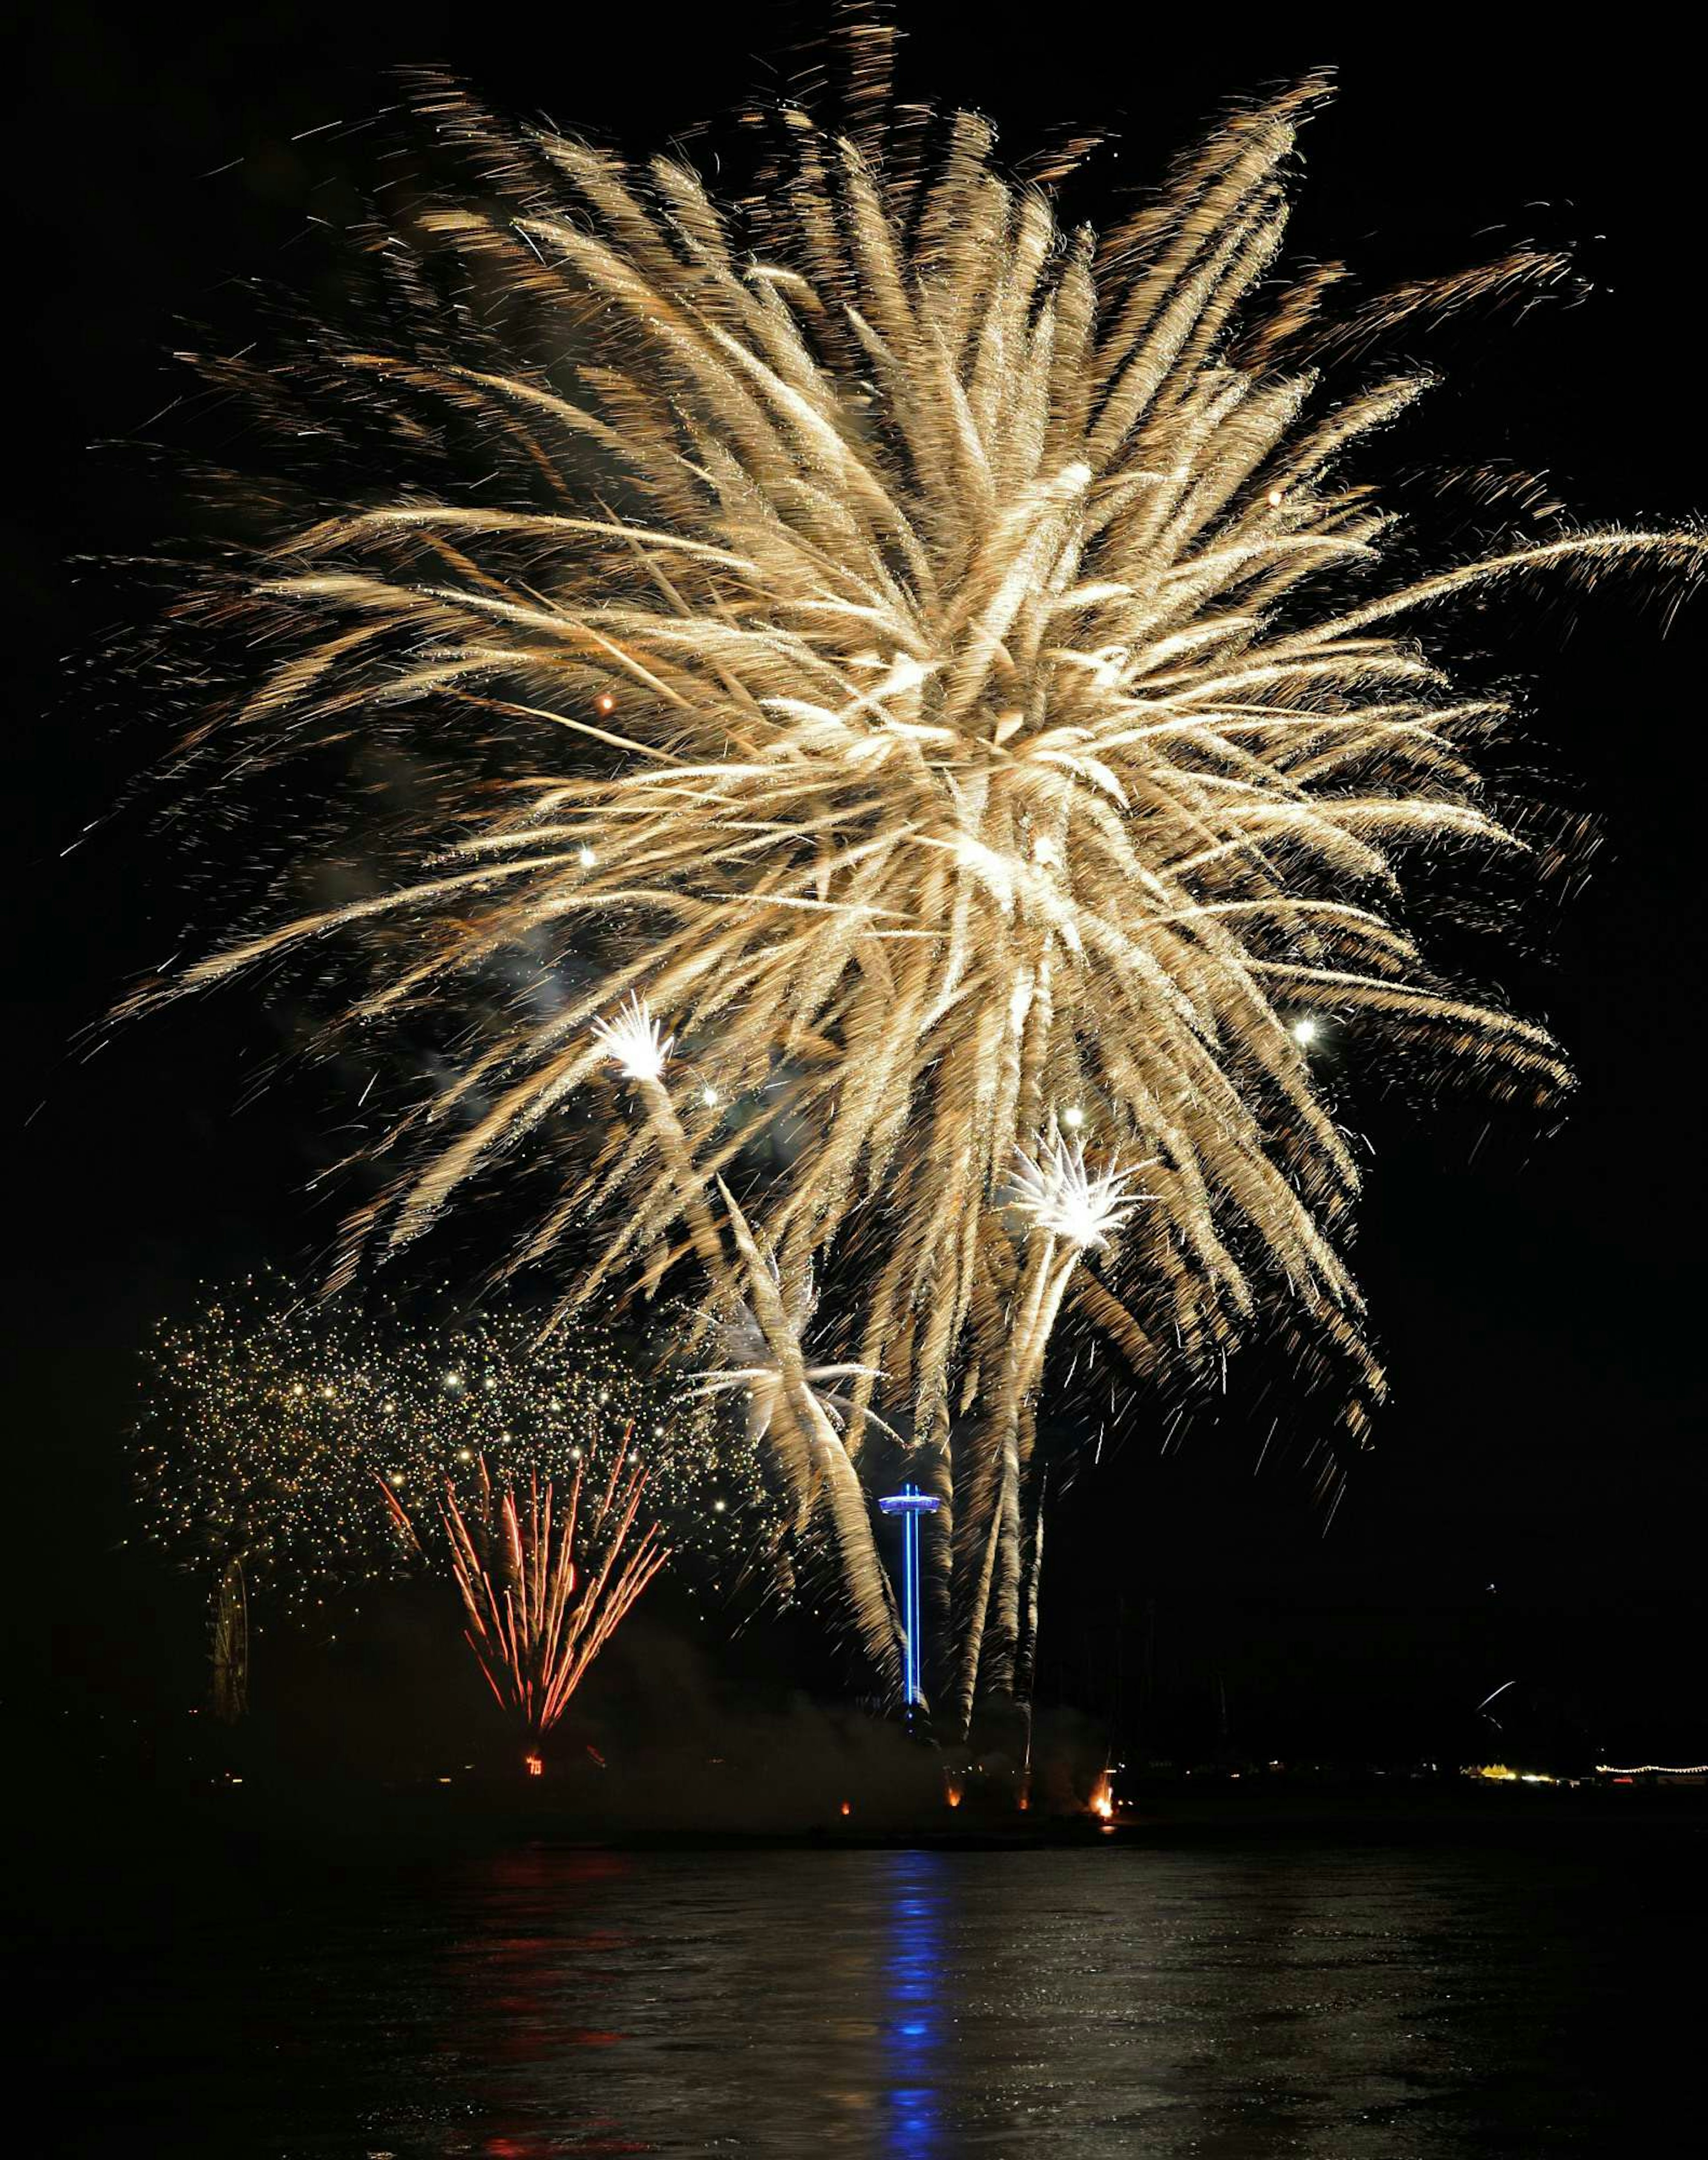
[{"x": 916, "y": 1988}]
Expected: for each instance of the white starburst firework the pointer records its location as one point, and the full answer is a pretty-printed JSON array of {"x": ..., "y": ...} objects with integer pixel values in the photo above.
[
  {"x": 1060, "y": 1194},
  {"x": 634, "y": 1041},
  {"x": 751, "y": 1364}
]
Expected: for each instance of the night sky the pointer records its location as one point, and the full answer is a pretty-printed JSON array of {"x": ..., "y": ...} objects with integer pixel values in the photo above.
[{"x": 1534, "y": 1509}]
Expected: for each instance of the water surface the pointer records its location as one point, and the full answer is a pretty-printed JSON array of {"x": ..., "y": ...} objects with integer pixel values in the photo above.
[{"x": 915, "y": 2004}]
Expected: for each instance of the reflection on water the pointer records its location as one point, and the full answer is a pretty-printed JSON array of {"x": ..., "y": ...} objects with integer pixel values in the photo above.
[
  {"x": 1081, "y": 2005},
  {"x": 919, "y": 1987}
]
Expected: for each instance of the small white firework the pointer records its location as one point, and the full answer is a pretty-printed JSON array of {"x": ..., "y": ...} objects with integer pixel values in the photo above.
[
  {"x": 1061, "y": 1195},
  {"x": 751, "y": 1364},
  {"x": 634, "y": 1041}
]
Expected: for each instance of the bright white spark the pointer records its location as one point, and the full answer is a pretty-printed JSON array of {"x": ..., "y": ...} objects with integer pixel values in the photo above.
[
  {"x": 1061, "y": 1196},
  {"x": 634, "y": 1041}
]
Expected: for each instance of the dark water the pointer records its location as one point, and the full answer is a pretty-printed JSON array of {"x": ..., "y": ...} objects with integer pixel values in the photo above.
[{"x": 915, "y": 2004}]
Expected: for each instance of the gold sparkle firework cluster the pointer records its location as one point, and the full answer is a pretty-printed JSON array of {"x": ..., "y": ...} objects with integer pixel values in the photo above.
[
  {"x": 912, "y": 713},
  {"x": 285, "y": 1436}
]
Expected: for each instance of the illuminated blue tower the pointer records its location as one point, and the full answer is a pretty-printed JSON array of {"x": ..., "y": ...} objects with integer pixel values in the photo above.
[{"x": 910, "y": 1503}]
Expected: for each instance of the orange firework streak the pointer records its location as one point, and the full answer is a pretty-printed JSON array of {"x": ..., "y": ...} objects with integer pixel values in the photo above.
[{"x": 533, "y": 1637}]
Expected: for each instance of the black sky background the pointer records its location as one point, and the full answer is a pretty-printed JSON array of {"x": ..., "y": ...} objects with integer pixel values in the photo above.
[{"x": 1534, "y": 1509}]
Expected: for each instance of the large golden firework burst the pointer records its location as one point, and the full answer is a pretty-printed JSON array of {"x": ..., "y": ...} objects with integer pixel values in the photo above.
[{"x": 918, "y": 684}]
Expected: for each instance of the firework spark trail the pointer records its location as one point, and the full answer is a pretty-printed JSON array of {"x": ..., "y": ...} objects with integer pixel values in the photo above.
[
  {"x": 1071, "y": 1211},
  {"x": 921, "y": 651},
  {"x": 820, "y": 1462},
  {"x": 517, "y": 1576}
]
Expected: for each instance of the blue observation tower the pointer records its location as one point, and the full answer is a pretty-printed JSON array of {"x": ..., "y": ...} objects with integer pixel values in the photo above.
[{"x": 910, "y": 1503}]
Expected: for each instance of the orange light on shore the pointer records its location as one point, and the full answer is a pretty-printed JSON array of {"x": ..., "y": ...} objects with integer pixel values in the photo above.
[
  {"x": 1103, "y": 1797},
  {"x": 534, "y": 1766},
  {"x": 848, "y": 1807},
  {"x": 953, "y": 1789}
]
